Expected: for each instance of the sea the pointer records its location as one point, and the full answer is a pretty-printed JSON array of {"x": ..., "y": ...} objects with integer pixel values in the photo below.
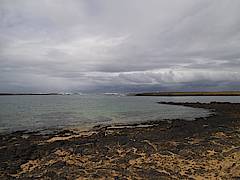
[{"x": 49, "y": 112}]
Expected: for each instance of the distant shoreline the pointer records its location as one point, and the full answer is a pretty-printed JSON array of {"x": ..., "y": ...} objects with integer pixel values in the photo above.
[
  {"x": 28, "y": 94},
  {"x": 224, "y": 93},
  {"x": 220, "y": 93}
]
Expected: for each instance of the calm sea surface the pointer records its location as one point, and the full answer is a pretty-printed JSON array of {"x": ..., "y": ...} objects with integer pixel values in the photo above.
[{"x": 82, "y": 111}]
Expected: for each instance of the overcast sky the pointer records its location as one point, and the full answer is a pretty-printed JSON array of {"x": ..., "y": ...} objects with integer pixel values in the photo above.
[{"x": 119, "y": 45}]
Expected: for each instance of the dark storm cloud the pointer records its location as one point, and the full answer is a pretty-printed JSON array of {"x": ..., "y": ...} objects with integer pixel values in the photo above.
[{"x": 75, "y": 45}]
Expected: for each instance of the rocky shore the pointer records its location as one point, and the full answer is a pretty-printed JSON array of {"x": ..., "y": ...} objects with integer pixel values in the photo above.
[{"x": 207, "y": 148}]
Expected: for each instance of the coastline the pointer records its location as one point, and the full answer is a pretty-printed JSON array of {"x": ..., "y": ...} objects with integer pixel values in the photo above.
[
  {"x": 176, "y": 94},
  {"x": 172, "y": 149}
]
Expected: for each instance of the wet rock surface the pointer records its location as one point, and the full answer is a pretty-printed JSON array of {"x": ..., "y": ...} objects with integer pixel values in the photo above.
[{"x": 207, "y": 148}]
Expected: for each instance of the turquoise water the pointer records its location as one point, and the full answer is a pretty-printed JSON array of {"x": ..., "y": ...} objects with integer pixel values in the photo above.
[{"x": 44, "y": 112}]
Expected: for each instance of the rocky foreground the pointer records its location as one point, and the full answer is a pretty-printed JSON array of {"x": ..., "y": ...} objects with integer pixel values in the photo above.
[{"x": 207, "y": 148}]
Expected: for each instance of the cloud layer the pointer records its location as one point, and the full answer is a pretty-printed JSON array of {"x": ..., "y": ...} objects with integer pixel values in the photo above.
[{"x": 90, "y": 45}]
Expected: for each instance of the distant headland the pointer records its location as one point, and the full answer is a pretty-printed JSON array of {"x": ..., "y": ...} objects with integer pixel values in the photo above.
[{"x": 222, "y": 93}]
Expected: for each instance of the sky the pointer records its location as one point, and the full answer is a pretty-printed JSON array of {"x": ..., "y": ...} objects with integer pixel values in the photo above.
[{"x": 119, "y": 46}]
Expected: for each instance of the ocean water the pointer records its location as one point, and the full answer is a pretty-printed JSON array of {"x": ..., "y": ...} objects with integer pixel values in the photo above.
[{"x": 85, "y": 111}]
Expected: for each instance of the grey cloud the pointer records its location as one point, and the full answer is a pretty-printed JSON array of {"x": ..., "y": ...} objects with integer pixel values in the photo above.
[
  {"x": 180, "y": 76},
  {"x": 87, "y": 45}
]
